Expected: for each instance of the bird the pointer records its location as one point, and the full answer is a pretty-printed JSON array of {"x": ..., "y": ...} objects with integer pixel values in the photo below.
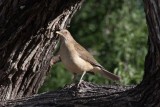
[{"x": 77, "y": 59}]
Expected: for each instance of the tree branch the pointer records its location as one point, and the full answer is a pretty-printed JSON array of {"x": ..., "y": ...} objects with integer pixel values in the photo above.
[{"x": 87, "y": 94}]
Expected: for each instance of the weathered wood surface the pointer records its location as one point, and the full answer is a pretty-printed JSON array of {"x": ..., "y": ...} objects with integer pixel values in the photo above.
[
  {"x": 27, "y": 42},
  {"x": 145, "y": 94},
  {"x": 87, "y": 94}
]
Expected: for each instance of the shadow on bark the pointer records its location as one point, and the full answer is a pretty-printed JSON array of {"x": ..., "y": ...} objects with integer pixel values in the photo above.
[{"x": 27, "y": 40}]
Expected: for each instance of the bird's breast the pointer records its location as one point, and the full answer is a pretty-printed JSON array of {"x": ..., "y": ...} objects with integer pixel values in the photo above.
[{"x": 72, "y": 61}]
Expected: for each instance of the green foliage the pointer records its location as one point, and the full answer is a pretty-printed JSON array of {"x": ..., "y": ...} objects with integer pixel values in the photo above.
[
  {"x": 115, "y": 33},
  {"x": 125, "y": 47}
]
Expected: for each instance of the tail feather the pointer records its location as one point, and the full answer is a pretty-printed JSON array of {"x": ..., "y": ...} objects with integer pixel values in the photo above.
[{"x": 109, "y": 75}]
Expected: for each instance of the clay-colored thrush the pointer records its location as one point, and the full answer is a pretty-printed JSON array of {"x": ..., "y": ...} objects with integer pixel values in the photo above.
[{"x": 77, "y": 59}]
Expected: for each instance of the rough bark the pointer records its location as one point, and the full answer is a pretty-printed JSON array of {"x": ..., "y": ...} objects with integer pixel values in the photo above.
[
  {"x": 88, "y": 94},
  {"x": 27, "y": 41},
  {"x": 146, "y": 94}
]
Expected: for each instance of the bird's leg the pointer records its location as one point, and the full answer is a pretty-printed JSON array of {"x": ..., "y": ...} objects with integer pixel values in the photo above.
[
  {"x": 81, "y": 78},
  {"x": 74, "y": 77},
  {"x": 73, "y": 81}
]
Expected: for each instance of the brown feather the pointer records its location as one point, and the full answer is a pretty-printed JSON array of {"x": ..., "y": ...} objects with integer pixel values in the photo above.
[
  {"x": 77, "y": 59},
  {"x": 84, "y": 54},
  {"x": 109, "y": 75}
]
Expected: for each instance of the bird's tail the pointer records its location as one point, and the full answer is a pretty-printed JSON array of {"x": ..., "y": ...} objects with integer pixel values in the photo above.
[{"x": 109, "y": 74}]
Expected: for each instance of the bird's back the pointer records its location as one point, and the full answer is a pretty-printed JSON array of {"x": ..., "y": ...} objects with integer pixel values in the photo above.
[{"x": 84, "y": 54}]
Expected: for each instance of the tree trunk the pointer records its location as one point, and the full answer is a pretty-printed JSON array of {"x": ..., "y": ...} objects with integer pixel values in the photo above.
[
  {"x": 27, "y": 41},
  {"x": 146, "y": 94}
]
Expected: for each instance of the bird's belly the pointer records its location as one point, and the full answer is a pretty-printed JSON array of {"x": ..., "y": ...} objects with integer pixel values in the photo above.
[{"x": 76, "y": 65}]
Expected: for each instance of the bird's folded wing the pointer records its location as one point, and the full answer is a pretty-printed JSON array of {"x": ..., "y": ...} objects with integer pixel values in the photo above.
[{"x": 85, "y": 55}]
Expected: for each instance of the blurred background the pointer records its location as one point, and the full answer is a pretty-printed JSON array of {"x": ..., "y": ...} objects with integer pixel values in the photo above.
[{"x": 115, "y": 32}]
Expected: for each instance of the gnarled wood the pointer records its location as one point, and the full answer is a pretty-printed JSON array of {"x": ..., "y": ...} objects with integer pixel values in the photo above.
[
  {"x": 87, "y": 95},
  {"x": 146, "y": 94},
  {"x": 27, "y": 40}
]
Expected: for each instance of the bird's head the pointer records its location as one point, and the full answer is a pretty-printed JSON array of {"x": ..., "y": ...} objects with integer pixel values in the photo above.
[{"x": 64, "y": 34}]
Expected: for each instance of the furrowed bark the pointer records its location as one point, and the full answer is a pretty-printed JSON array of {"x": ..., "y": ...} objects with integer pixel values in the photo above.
[
  {"x": 27, "y": 41},
  {"x": 145, "y": 94}
]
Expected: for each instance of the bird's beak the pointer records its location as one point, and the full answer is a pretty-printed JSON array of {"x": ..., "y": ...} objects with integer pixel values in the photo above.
[{"x": 58, "y": 32}]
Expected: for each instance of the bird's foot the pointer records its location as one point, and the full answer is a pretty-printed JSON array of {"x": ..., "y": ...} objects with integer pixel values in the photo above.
[
  {"x": 75, "y": 85},
  {"x": 83, "y": 86},
  {"x": 80, "y": 83},
  {"x": 69, "y": 85}
]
